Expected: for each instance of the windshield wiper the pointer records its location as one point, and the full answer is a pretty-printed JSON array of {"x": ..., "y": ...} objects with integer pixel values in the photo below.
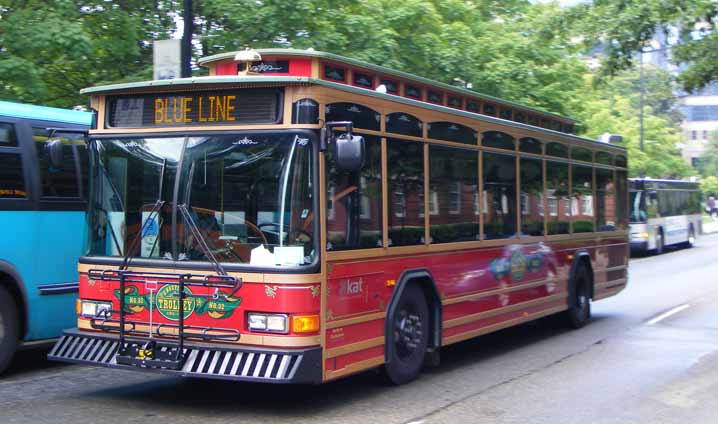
[
  {"x": 187, "y": 218},
  {"x": 127, "y": 256}
]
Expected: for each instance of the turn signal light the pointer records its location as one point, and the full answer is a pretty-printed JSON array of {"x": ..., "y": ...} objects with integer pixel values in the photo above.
[
  {"x": 78, "y": 306},
  {"x": 305, "y": 323}
]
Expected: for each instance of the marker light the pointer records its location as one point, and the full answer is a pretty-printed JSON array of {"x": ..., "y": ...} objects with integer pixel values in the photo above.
[{"x": 305, "y": 323}]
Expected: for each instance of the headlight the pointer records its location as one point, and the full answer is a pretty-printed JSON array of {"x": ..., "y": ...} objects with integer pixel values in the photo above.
[
  {"x": 95, "y": 309},
  {"x": 644, "y": 235},
  {"x": 272, "y": 323}
]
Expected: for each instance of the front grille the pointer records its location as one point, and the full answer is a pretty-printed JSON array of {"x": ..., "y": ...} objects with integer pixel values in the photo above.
[{"x": 200, "y": 362}]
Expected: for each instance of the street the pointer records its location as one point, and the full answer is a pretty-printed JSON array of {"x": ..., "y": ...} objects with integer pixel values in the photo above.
[{"x": 648, "y": 355}]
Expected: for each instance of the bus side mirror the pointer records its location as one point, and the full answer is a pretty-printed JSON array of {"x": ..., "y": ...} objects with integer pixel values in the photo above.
[
  {"x": 349, "y": 152},
  {"x": 53, "y": 151}
]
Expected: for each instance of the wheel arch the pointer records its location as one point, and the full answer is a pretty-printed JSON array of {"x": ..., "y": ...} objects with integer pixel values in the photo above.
[
  {"x": 580, "y": 259},
  {"x": 10, "y": 279},
  {"x": 423, "y": 278}
]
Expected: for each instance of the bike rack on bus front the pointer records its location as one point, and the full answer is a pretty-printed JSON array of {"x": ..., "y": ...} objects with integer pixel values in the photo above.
[{"x": 158, "y": 353}]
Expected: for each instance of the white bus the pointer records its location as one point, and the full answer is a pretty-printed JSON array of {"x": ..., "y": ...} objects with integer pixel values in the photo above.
[{"x": 663, "y": 213}]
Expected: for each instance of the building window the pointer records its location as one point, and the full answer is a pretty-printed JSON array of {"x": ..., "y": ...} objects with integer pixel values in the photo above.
[
  {"x": 455, "y": 198},
  {"x": 400, "y": 202},
  {"x": 694, "y": 135}
]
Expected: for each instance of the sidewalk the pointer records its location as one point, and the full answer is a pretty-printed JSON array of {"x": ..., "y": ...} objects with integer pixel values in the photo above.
[{"x": 710, "y": 227}]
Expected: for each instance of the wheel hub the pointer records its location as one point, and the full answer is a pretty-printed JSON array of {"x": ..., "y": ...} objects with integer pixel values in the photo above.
[{"x": 407, "y": 333}]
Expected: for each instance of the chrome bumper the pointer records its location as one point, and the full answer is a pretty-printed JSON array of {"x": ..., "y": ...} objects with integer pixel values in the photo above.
[{"x": 227, "y": 363}]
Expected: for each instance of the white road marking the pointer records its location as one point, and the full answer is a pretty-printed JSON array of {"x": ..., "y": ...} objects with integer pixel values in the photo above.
[{"x": 665, "y": 315}]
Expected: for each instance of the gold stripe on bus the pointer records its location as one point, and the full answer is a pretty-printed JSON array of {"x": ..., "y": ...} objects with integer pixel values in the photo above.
[
  {"x": 245, "y": 339},
  {"x": 499, "y": 326},
  {"x": 494, "y": 292},
  {"x": 355, "y": 347},
  {"x": 608, "y": 293},
  {"x": 355, "y": 320},
  {"x": 355, "y": 367},
  {"x": 500, "y": 311},
  {"x": 610, "y": 284},
  {"x": 256, "y": 278}
]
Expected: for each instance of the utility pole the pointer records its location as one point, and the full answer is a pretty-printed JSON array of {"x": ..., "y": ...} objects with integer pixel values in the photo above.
[
  {"x": 641, "y": 101},
  {"x": 188, "y": 18}
]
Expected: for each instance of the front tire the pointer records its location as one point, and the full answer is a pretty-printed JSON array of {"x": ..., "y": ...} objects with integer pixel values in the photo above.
[
  {"x": 407, "y": 336},
  {"x": 9, "y": 331},
  {"x": 579, "y": 312}
]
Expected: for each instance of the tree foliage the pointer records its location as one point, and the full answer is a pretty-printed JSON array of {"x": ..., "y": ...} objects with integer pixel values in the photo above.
[
  {"x": 614, "y": 109},
  {"x": 625, "y": 27},
  {"x": 49, "y": 50}
]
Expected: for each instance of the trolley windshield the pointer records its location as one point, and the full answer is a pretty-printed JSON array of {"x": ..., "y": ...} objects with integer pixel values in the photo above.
[{"x": 242, "y": 198}]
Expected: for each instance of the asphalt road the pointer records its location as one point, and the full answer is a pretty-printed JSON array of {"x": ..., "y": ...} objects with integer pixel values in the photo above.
[{"x": 631, "y": 364}]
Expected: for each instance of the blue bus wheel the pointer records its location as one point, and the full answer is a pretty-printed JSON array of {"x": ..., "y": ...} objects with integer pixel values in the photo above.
[{"x": 9, "y": 333}]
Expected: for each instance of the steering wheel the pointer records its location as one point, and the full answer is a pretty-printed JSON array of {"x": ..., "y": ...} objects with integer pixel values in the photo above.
[{"x": 290, "y": 232}]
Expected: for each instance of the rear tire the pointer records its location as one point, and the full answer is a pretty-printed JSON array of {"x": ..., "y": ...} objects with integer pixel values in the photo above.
[
  {"x": 691, "y": 237},
  {"x": 407, "y": 336},
  {"x": 579, "y": 312},
  {"x": 660, "y": 243},
  {"x": 9, "y": 329}
]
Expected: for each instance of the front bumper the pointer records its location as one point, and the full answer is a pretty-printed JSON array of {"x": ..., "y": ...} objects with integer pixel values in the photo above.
[
  {"x": 203, "y": 361},
  {"x": 639, "y": 245}
]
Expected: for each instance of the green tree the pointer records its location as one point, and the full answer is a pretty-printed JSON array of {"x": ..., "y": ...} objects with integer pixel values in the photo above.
[
  {"x": 612, "y": 109},
  {"x": 709, "y": 186},
  {"x": 624, "y": 27},
  {"x": 708, "y": 164},
  {"x": 49, "y": 50}
]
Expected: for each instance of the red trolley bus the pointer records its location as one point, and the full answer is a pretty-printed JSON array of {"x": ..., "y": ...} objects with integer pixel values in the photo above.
[{"x": 298, "y": 216}]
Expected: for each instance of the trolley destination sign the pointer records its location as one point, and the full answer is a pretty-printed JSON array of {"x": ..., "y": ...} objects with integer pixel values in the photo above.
[{"x": 226, "y": 107}]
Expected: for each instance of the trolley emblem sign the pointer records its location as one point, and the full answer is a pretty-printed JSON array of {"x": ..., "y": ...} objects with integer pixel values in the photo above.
[
  {"x": 516, "y": 265},
  {"x": 166, "y": 302}
]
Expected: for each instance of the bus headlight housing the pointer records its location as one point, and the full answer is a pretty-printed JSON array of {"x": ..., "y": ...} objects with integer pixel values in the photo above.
[
  {"x": 95, "y": 308},
  {"x": 271, "y": 323}
]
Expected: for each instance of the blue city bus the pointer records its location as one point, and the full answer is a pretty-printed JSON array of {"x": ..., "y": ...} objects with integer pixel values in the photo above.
[{"x": 43, "y": 181}]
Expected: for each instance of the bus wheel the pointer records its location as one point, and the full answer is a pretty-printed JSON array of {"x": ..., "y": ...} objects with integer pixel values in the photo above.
[
  {"x": 408, "y": 336},
  {"x": 659, "y": 242},
  {"x": 691, "y": 237},
  {"x": 579, "y": 312},
  {"x": 8, "y": 328}
]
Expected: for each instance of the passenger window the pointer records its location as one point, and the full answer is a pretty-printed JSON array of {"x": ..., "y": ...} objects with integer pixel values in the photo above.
[
  {"x": 406, "y": 192},
  {"x": 557, "y": 197},
  {"x": 453, "y": 179},
  {"x": 305, "y": 111},
  {"x": 579, "y": 153},
  {"x": 450, "y": 131},
  {"x": 621, "y": 203},
  {"x": 530, "y": 145},
  {"x": 57, "y": 179},
  {"x": 354, "y": 214},
  {"x": 605, "y": 200},
  {"x": 498, "y": 140},
  {"x": 8, "y": 137},
  {"x": 582, "y": 199},
  {"x": 604, "y": 158},
  {"x": 361, "y": 116},
  {"x": 12, "y": 180},
  {"x": 532, "y": 206},
  {"x": 403, "y": 123},
  {"x": 557, "y": 150},
  {"x": 499, "y": 197},
  {"x": 621, "y": 161}
]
